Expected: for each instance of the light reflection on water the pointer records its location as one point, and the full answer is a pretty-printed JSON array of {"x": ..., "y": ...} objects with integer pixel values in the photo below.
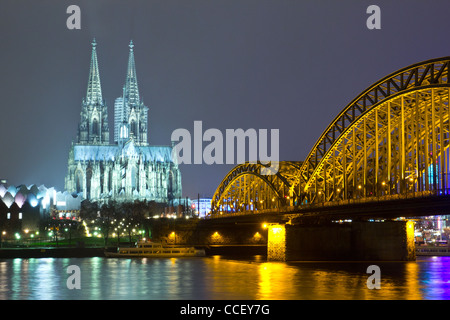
[{"x": 221, "y": 278}]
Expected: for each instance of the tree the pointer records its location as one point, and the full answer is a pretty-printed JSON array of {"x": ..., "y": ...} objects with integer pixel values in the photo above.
[
  {"x": 129, "y": 215},
  {"x": 153, "y": 209},
  {"x": 108, "y": 213},
  {"x": 89, "y": 210}
]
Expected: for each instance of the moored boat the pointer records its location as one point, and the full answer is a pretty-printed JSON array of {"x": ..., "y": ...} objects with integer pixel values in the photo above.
[
  {"x": 147, "y": 249},
  {"x": 432, "y": 251}
]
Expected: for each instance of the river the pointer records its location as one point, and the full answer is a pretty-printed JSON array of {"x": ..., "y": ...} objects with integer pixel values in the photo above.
[{"x": 220, "y": 278}]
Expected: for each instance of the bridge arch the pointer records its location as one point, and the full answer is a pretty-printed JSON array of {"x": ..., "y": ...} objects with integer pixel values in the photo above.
[
  {"x": 392, "y": 139},
  {"x": 246, "y": 188}
]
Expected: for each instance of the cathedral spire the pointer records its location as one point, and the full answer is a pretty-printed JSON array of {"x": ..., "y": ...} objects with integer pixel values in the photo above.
[
  {"x": 94, "y": 90},
  {"x": 93, "y": 127},
  {"x": 131, "y": 85}
]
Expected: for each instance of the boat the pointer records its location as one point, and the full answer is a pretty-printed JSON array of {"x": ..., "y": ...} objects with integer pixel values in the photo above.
[
  {"x": 432, "y": 251},
  {"x": 148, "y": 249}
]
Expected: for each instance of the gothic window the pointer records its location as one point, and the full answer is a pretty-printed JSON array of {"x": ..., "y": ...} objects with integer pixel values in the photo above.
[
  {"x": 133, "y": 128},
  {"x": 170, "y": 185},
  {"x": 88, "y": 182},
  {"x": 110, "y": 177},
  {"x": 133, "y": 178},
  {"x": 123, "y": 132},
  {"x": 79, "y": 181},
  {"x": 95, "y": 128}
]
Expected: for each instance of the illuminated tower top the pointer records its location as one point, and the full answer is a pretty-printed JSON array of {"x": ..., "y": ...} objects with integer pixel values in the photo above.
[
  {"x": 93, "y": 127},
  {"x": 131, "y": 85},
  {"x": 130, "y": 113},
  {"x": 94, "y": 89}
]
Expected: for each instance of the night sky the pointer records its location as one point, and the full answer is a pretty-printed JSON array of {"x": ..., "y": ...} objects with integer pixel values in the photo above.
[{"x": 263, "y": 64}]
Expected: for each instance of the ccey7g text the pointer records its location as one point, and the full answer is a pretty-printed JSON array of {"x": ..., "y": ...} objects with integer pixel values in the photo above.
[{"x": 240, "y": 309}]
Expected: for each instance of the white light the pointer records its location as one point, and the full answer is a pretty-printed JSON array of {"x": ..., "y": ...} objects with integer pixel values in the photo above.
[{"x": 34, "y": 202}]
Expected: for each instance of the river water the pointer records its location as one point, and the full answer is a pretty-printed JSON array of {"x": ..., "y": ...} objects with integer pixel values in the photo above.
[{"x": 220, "y": 278}]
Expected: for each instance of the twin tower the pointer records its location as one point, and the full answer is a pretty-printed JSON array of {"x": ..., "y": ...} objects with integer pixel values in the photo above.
[
  {"x": 128, "y": 169},
  {"x": 130, "y": 113}
]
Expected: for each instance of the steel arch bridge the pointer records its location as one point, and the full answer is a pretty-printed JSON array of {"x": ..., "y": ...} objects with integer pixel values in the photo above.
[
  {"x": 247, "y": 188},
  {"x": 391, "y": 141}
]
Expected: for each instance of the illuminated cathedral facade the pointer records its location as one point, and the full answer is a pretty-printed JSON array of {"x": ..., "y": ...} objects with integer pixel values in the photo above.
[{"x": 129, "y": 169}]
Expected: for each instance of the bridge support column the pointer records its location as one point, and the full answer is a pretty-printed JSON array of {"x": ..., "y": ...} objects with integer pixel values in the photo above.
[
  {"x": 359, "y": 241},
  {"x": 276, "y": 242}
]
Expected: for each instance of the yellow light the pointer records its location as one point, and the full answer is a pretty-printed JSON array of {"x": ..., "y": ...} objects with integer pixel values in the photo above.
[
  {"x": 276, "y": 242},
  {"x": 359, "y": 187},
  {"x": 276, "y": 230},
  {"x": 383, "y": 183},
  {"x": 264, "y": 225},
  {"x": 216, "y": 237},
  {"x": 338, "y": 190}
]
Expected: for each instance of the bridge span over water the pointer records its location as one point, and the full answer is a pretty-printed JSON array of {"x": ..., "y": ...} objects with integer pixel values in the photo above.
[
  {"x": 389, "y": 144},
  {"x": 386, "y": 154}
]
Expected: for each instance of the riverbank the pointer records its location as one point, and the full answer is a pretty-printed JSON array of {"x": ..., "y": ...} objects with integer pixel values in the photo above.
[
  {"x": 48, "y": 252},
  {"x": 74, "y": 252}
]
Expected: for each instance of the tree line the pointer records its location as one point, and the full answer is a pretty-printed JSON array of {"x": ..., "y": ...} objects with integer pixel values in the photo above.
[{"x": 120, "y": 218}]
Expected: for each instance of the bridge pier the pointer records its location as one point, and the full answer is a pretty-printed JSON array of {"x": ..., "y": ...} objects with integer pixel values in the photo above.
[{"x": 357, "y": 241}]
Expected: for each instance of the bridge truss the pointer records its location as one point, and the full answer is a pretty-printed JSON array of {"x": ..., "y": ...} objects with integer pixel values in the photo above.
[
  {"x": 392, "y": 140},
  {"x": 247, "y": 188}
]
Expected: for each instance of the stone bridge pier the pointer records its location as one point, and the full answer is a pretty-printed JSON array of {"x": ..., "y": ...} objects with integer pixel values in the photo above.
[{"x": 358, "y": 241}]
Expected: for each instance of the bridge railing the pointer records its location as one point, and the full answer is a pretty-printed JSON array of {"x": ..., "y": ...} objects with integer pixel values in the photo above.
[
  {"x": 389, "y": 197},
  {"x": 312, "y": 206}
]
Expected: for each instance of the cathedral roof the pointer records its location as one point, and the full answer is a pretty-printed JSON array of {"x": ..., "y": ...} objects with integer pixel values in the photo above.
[{"x": 111, "y": 152}]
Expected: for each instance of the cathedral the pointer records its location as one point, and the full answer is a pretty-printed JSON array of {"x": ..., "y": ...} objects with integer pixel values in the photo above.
[{"x": 129, "y": 169}]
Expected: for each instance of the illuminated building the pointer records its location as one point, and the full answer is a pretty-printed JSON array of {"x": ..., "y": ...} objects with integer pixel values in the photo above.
[
  {"x": 202, "y": 206},
  {"x": 26, "y": 208},
  {"x": 130, "y": 169}
]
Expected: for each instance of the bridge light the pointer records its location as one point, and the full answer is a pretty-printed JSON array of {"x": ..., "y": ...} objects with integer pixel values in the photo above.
[
  {"x": 383, "y": 183},
  {"x": 320, "y": 192},
  {"x": 359, "y": 187},
  {"x": 338, "y": 190}
]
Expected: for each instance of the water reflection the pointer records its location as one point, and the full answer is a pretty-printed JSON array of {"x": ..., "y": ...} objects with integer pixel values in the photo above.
[{"x": 221, "y": 278}]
